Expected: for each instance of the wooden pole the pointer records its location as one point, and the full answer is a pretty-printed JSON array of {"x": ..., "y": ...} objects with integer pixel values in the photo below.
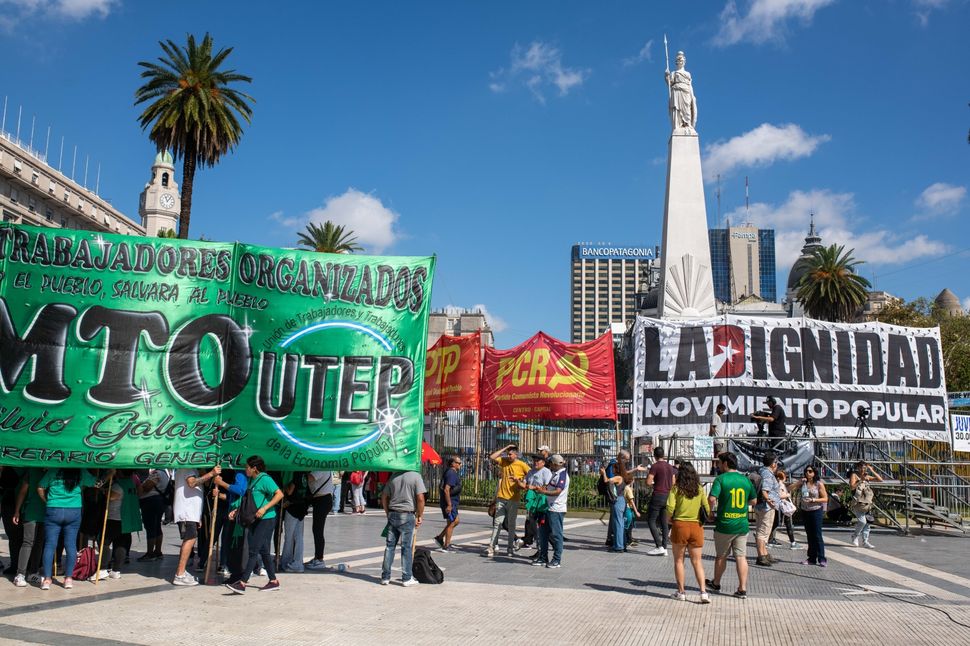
[
  {"x": 104, "y": 531},
  {"x": 212, "y": 534},
  {"x": 279, "y": 535}
]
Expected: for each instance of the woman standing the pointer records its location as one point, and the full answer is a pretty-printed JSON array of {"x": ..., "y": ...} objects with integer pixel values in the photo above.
[
  {"x": 357, "y": 480},
  {"x": 812, "y": 503},
  {"x": 683, "y": 508},
  {"x": 29, "y": 512},
  {"x": 320, "y": 484},
  {"x": 60, "y": 489},
  {"x": 861, "y": 503},
  {"x": 780, "y": 517},
  {"x": 295, "y": 507},
  {"x": 266, "y": 495},
  {"x": 618, "y": 508}
]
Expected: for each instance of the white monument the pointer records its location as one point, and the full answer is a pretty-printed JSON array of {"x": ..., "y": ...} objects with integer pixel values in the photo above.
[{"x": 686, "y": 288}]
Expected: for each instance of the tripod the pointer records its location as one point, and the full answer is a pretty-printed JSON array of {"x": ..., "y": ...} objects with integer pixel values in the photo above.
[{"x": 861, "y": 433}]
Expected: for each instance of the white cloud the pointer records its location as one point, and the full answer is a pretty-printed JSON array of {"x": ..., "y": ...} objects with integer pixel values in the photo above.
[
  {"x": 644, "y": 54},
  {"x": 538, "y": 67},
  {"x": 497, "y": 324},
  {"x": 939, "y": 199},
  {"x": 765, "y": 21},
  {"x": 966, "y": 303},
  {"x": 364, "y": 215},
  {"x": 923, "y": 9},
  {"x": 288, "y": 222},
  {"x": 17, "y": 10},
  {"x": 762, "y": 146},
  {"x": 838, "y": 222}
]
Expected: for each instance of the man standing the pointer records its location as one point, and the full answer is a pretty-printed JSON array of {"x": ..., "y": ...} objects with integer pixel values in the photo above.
[
  {"x": 450, "y": 493},
  {"x": 188, "y": 514},
  {"x": 557, "y": 491},
  {"x": 661, "y": 477},
  {"x": 507, "y": 496},
  {"x": 540, "y": 476},
  {"x": 716, "y": 431},
  {"x": 776, "y": 420},
  {"x": 732, "y": 493},
  {"x": 403, "y": 502},
  {"x": 764, "y": 512}
]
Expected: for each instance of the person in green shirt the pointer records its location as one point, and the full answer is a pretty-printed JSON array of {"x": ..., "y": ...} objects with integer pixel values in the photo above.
[
  {"x": 733, "y": 493},
  {"x": 60, "y": 490},
  {"x": 266, "y": 495},
  {"x": 29, "y": 511}
]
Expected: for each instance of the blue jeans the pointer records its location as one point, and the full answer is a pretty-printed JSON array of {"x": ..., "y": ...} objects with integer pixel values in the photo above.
[
  {"x": 813, "y": 530},
  {"x": 551, "y": 529},
  {"x": 400, "y": 527},
  {"x": 61, "y": 521},
  {"x": 617, "y": 521},
  {"x": 292, "y": 558},
  {"x": 862, "y": 525}
]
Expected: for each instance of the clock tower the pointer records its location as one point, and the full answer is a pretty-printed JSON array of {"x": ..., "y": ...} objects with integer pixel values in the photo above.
[{"x": 160, "y": 201}]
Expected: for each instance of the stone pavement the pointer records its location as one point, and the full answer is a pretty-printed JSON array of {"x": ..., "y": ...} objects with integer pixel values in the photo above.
[{"x": 893, "y": 595}]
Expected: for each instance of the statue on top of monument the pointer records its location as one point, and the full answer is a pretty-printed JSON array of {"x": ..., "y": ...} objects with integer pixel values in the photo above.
[{"x": 683, "y": 103}]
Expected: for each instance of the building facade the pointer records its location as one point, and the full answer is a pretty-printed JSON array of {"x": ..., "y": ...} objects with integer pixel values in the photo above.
[
  {"x": 32, "y": 192},
  {"x": 603, "y": 286},
  {"x": 743, "y": 263},
  {"x": 813, "y": 241},
  {"x": 459, "y": 322}
]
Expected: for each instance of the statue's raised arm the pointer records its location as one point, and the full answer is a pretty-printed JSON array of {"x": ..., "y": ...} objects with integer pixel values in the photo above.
[{"x": 683, "y": 104}]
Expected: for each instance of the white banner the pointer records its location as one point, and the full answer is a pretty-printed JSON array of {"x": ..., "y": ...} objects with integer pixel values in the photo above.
[
  {"x": 826, "y": 372},
  {"x": 961, "y": 432}
]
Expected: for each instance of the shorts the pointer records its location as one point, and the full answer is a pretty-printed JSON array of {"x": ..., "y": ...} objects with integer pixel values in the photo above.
[
  {"x": 188, "y": 530},
  {"x": 687, "y": 532},
  {"x": 454, "y": 511},
  {"x": 734, "y": 543},
  {"x": 764, "y": 522}
]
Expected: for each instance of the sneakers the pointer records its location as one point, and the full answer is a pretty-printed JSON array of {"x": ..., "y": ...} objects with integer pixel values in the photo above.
[
  {"x": 223, "y": 571},
  {"x": 705, "y": 598},
  {"x": 716, "y": 587},
  {"x": 385, "y": 582},
  {"x": 114, "y": 574},
  {"x": 316, "y": 564},
  {"x": 855, "y": 541},
  {"x": 35, "y": 579},
  {"x": 763, "y": 561},
  {"x": 410, "y": 582},
  {"x": 823, "y": 563},
  {"x": 236, "y": 587},
  {"x": 440, "y": 541},
  {"x": 272, "y": 586},
  {"x": 634, "y": 543},
  {"x": 555, "y": 565},
  {"x": 807, "y": 562},
  {"x": 20, "y": 581},
  {"x": 45, "y": 584},
  {"x": 68, "y": 583},
  {"x": 794, "y": 546},
  {"x": 184, "y": 579},
  {"x": 774, "y": 543},
  {"x": 741, "y": 594},
  {"x": 150, "y": 556},
  {"x": 488, "y": 552},
  {"x": 679, "y": 596},
  {"x": 657, "y": 551},
  {"x": 538, "y": 562},
  {"x": 518, "y": 545},
  {"x": 869, "y": 545}
]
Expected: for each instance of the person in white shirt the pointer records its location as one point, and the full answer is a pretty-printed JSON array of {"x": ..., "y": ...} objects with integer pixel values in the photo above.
[
  {"x": 188, "y": 514},
  {"x": 557, "y": 491},
  {"x": 538, "y": 475}
]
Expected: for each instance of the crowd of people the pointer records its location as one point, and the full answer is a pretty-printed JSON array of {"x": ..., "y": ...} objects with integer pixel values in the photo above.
[{"x": 49, "y": 514}]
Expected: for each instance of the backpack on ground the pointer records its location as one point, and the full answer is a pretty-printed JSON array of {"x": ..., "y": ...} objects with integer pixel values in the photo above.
[
  {"x": 86, "y": 564},
  {"x": 862, "y": 497},
  {"x": 424, "y": 569}
]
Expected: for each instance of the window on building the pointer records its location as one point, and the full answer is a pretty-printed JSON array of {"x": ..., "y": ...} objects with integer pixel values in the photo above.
[
  {"x": 34, "y": 177},
  {"x": 31, "y": 204},
  {"x": 165, "y": 180},
  {"x": 14, "y": 196},
  {"x": 49, "y": 214},
  {"x": 64, "y": 222},
  {"x": 52, "y": 188},
  {"x": 17, "y": 166}
]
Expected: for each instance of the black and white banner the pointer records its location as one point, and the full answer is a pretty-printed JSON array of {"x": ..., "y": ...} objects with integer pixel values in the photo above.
[{"x": 817, "y": 370}]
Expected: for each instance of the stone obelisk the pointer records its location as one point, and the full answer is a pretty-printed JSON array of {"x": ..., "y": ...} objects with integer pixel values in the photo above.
[{"x": 686, "y": 285}]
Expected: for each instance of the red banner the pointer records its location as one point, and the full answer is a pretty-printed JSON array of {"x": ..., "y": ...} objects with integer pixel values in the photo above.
[
  {"x": 545, "y": 378},
  {"x": 452, "y": 373}
]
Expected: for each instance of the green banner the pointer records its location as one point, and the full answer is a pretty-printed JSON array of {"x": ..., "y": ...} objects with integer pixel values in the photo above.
[{"x": 135, "y": 352}]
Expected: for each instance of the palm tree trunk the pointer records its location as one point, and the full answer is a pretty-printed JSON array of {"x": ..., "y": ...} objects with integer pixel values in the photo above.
[{"x": 188, "y": 180}]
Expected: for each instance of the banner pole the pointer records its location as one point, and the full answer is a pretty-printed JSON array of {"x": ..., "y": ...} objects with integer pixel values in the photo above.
[
  {"x": 478, "y": 448},
  {"x": 104, "y": 529},
  {"x": 212, "y": 534}
]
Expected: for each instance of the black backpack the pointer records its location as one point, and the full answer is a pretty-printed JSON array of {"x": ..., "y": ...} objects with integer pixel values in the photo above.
[
  {"x": 424, "y": 569},
  {"x": 246, "y": 515}
]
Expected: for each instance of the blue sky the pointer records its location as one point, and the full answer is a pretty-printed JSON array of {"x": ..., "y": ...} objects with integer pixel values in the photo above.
[{"x": 498, "y": 134}]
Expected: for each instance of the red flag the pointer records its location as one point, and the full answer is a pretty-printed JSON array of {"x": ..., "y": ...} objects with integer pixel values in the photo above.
[
  {"x": 545, "y": 378},
  {"x": 452, "y": 373}
]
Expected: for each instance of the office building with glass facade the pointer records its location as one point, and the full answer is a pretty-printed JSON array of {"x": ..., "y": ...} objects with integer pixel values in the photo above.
[{"x": 743, "y": 263}]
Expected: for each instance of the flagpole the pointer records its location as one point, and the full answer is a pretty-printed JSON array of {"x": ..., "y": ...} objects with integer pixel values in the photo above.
[{"x": 104, "y": 530}]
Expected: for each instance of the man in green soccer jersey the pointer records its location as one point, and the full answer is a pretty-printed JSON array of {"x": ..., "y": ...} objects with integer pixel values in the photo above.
[{"x": 733, "y": 493}]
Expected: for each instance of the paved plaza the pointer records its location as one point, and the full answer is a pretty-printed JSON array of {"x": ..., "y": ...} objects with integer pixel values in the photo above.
[{"x": 900, "y": 593}]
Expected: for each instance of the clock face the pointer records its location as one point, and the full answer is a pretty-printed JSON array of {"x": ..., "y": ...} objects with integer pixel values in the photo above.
[{"x": 166, "y": 201}]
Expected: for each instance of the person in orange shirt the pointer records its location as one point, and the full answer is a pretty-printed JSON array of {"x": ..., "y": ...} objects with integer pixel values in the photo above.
[{"x": 507, "y": 496}]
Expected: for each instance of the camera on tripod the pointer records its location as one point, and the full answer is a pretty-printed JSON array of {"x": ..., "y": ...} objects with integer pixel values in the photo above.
[{"x": 862, "y": 412}]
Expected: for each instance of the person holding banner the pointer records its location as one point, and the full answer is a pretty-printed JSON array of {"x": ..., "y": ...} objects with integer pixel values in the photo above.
[
  {"x": 187, "y": 508},
  {"x": 508, "y": 495}
]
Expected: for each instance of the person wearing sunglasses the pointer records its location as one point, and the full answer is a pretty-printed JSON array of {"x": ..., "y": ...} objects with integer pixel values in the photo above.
[{"x": 812, "y": 504}]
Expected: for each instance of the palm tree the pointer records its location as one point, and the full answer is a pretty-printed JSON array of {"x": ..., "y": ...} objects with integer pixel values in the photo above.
[
  {"x": 192, "y": 109},
  {"x": 831, "y": 290},
  {"x": 329, "y": 238}
]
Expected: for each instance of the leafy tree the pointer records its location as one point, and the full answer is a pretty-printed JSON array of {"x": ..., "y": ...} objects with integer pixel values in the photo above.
[
  {"x": 192, "y": 109},
  {"x": 329, "y": 238},
  {"x": 831, "y": 290},
  {"x": 167, "y": 233},
  {"x": 954, "y": 336}
]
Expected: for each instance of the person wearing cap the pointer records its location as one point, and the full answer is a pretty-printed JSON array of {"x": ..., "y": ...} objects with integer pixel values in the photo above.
[
  {"x": 776, "y": 419},
  {"x": 539, "y": 475},
  {"x": 544, "y": 451},
  {"x": 557, "y": 490}
]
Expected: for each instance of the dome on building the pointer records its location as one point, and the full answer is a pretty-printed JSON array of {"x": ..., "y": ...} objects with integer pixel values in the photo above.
[
  {"x": 164, "y": 158},
  {"x": 812, "y": 242},
  {"x": 949, "y": 303}
]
